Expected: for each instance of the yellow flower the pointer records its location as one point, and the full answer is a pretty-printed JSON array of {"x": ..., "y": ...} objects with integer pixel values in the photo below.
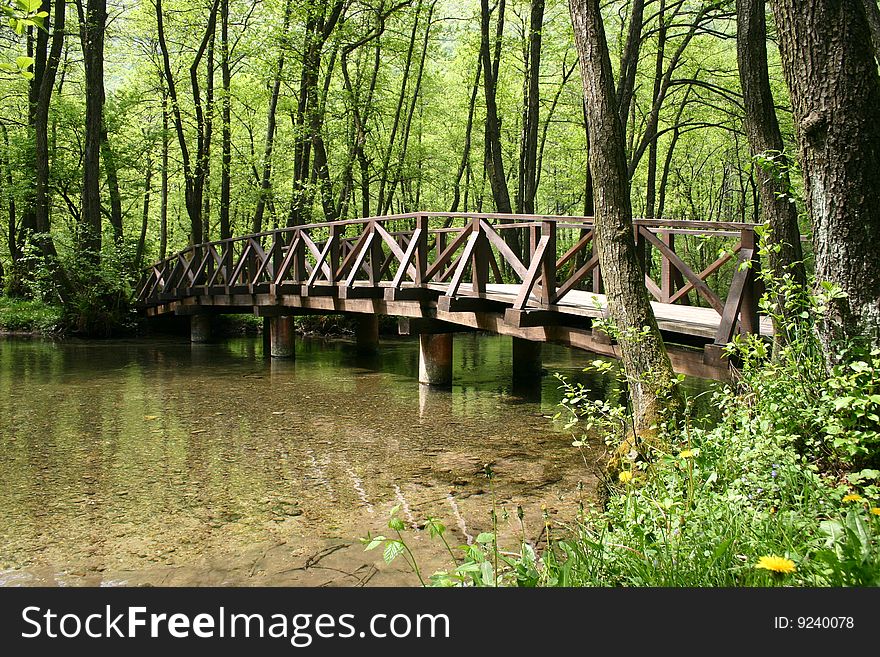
[
  {"x": 853, "y": 497},
  {"x": 686, "y": 454},
  {"x": 776, "y": 564},
  {"x": 625, "y": 477},
  {"x": 875, "y": 510}
]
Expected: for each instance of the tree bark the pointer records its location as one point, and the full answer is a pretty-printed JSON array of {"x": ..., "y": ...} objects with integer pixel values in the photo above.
[
  {"x": 497, "y": 179},
  {"x": 835, "y": 93},
  {"x": 92, "y": 20},
  {"x": 145, "y": 213},
  {"x": 765, "y": 140},
  {"x": 225, "y": 124},
  {"x": 645, "y": 361},
  {"x": 528, "y": 173}
]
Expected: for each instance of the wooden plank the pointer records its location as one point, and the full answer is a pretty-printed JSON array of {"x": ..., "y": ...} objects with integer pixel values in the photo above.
[
  {"x": 734, "y": 300},
  {"x": 463, "y": 261},
  {"x": 532, "y": 274},
  {"x": 699, "y": 284},
  {"x": 506, "y": 252},
  {"x": 574, "y": 250},
  {"x": 407, "y": 258},
  {"x": 447, "y": 252},
  {"x": 320, "y": 264},
  {"x": 708, "y": 271},
  {"x": 577, "y": 277}
]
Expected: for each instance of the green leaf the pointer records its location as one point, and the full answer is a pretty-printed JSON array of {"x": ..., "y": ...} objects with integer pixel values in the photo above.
[
  {"x": 487, "y": 573},
  {"x": 393, "y": 549},
  {"x": 374, "y": 542},
  {"x": 485, "y": 538},
  {"x": 24, "y": 62}
]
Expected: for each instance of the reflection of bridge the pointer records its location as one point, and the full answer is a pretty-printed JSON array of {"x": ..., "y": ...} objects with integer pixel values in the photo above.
[{"x": 446, "y": 272}]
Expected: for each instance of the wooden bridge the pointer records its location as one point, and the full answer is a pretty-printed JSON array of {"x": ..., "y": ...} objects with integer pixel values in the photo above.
[{"x": 536, "y": 278}]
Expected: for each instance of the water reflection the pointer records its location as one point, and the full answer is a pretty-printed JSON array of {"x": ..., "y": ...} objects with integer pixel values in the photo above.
[{"x": 164, "y": 463}]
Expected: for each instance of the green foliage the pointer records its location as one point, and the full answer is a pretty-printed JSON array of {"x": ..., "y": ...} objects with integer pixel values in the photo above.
[
  {"x": 784, "y": 489},
  {"x": 22, "y": 315}
]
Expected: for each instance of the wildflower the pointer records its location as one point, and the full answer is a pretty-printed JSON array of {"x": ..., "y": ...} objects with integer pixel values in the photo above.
[
  {"x": 625, "y": 477},
  {"x": 776, "y": 564},
  {"x": 853, "y": 497},
  {"x": 875, "y": 511},
  {"x": 686, "y": 454}
]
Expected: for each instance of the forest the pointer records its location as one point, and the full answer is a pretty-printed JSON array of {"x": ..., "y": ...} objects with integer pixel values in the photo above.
[
  {"x": 133, "y": 130},
  {"x": 142, "y": 127}
]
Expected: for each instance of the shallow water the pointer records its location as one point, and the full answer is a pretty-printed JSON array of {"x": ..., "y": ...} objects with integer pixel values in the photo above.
[{"x": 157, "y": 462}]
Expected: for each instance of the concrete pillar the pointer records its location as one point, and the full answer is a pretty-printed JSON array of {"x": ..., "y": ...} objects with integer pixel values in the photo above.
[
  {"x": 282, "y": 339},
  {"x": 435, "y": 359},
  {"x": 200, "y": 328},
  {"x": 367, "y": 333},
  {"x": 526, "y": 360}
]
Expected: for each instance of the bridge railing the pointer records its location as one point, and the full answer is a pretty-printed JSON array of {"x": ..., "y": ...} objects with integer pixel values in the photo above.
[{"x": 460, "y": 254}]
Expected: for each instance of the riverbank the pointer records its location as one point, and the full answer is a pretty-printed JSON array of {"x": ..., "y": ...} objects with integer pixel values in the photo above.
[{"x": 27, "y": 318}]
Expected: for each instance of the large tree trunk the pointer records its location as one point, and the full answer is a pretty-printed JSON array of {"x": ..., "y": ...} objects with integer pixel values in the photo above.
[
  {"x": 835, "y": 94},
  {"x": 528, "y": 174},
  {"x": 765, "y": 140},
  {"x": 92, "y": 21},
  {"x": 645, "y": 361},
  {"x": 495, "y": 162}
]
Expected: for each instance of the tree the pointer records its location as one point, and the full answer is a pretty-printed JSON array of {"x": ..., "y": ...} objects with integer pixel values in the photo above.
[
  {"x": 641, "y": 346},
  {"x": 92, "y": 20},
  {"x": 762, "y": 128},
  {"x": 835, "y": 94}
]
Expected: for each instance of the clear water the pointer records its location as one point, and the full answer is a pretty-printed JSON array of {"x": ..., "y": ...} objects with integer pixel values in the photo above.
[{"x": 157, "y": 462}]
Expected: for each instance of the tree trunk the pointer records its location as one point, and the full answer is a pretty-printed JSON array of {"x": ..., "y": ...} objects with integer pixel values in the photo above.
[
  {"x": 92, "y": 21},
  {"x": 835, "y": 93},
  {"x": 163, "y": 194},
  {"x": 645, "y": 361},
  {"x": 226, "y": 124},
  {"x": 109, "y": 159},
  {"x": 765, "y": 139},
  {"x": 407, "y": 127},
  {"x": 529, "y": 148},
  {"x": 145, "y": 213},
  {"x": 495, "y": 162},
  {"x": 266, "y": 178},
  {"x": 466, "y": 151}
]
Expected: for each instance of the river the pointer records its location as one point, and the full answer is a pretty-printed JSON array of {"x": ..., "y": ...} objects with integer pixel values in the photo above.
[{"x": 157, "y": 462}]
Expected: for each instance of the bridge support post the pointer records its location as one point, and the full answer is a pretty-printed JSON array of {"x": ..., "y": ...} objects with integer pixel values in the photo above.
[
  {"x": 267, "y": 341},
  {"x": 367, "y": 333},
  {"x": 282, "y": 339},
  {"x": 526, "y": 360},
  {"x": 435, "y": 359},
  {"x": 200, "y": 328}
]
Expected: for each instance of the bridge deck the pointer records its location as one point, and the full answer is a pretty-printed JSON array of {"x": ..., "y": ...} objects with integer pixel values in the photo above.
[{"x": 673, "y": 318}]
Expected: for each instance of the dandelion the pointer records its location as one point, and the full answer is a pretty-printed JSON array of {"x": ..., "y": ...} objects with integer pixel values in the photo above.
[
  {"x": 625, "y": 477},
  {"x": 775, "y": 564},
  {"x": 686, "y": 454},
  {"x": 853, "y": 497},
  {"x": 875, "y": 511}
]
